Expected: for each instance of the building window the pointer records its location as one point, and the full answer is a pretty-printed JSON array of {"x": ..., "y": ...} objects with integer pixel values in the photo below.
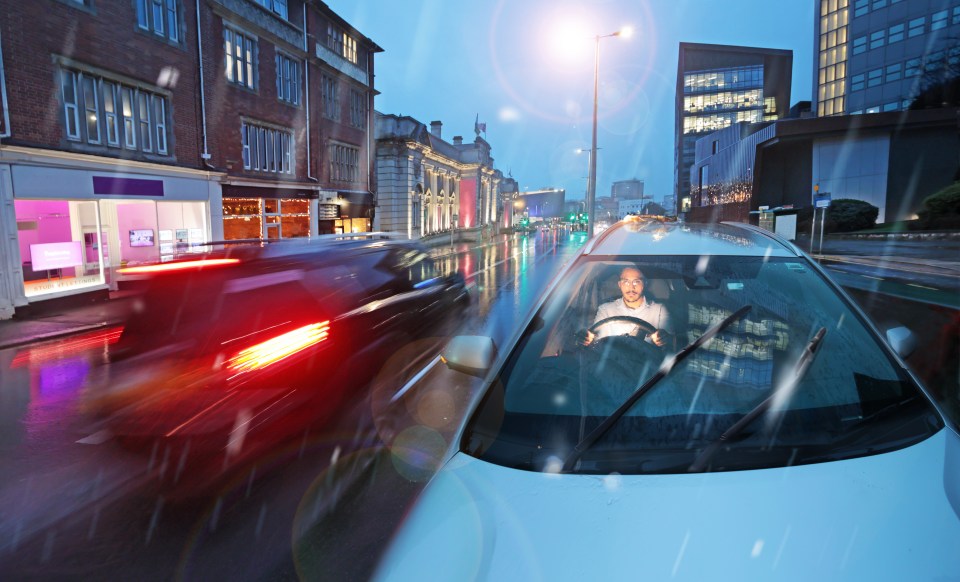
[
  {"x": 873, "y": 110},
  {"x": 912, "y": 68},
  {"x": 856, "y": 83},
  {"x": 288, "y": 79},
  {"x": 342, "y": 43},
  {"x": 266, "y": 149},
  {"x": 161, "y": 17},
  {"x": 878, "y": 4},
  {"x": 896, "y": 33},
  {"x": 915, "y": 27},
  {"x": 344, "y": 163},
  {"x": 874, "y": 77},
  {"x": 358, "y": 109},
  {"x": 241, "y": 54},
  {"x": 876, "y": 39},
  {"x": 108, "y": 105},
  {"x": 955, "y": 19},
  {"x": 859, "y": 45},
  {"x": 894, "y": 72},
  {"x": 328, "y": 95},
  {"x": 861, "y": 7},
  {"x": 938, "y": 20},
  {"x": 890, "y": 106},
  {"x": 278, "y": 7}
]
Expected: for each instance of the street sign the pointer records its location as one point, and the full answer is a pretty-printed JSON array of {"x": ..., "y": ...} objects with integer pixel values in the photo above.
[{"x": 821, "y": 200}]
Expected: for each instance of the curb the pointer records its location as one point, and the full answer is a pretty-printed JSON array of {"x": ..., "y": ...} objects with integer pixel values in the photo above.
[{"x": 53, "y": 335}]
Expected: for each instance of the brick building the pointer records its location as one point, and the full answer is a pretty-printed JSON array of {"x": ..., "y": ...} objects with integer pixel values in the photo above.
[{"x": 128, "y": 137}]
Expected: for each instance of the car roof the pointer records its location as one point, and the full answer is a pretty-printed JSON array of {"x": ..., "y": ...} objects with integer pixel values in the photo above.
[{"x": 647, "y": 235}]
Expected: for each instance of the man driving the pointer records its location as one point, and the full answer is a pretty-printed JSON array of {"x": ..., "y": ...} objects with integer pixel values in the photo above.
[{"x": 634, "y": 304}]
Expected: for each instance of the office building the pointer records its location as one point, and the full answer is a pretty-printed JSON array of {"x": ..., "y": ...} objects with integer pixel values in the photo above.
[
  {"x": 878, "y": 55},
  {"x": 718, "y": 86}
]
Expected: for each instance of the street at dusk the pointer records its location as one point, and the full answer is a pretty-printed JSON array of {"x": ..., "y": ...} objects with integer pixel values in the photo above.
[{"x": 549, "y": 290}]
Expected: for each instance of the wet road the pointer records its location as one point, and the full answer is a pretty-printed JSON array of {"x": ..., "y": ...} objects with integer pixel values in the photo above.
[{"x": 74, "y": 505}]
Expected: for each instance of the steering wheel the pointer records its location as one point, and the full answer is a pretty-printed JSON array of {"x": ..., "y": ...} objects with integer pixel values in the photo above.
[{"x": 642, "y": 325}]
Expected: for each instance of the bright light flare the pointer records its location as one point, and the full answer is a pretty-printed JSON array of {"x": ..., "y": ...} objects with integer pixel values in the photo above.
[
  {"x": 568, "y": 41},
  {"x": 625, "y": 32},
  {"x": 177, "y": 266},
  {"x": 276, "y": 349}
]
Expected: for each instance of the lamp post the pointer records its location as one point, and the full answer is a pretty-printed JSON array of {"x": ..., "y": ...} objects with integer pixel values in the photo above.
[{"x": 592, "y": 181}]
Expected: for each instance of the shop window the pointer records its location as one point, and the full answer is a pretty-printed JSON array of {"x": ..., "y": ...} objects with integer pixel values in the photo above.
[
  {"x": 242, "y": 218},
  {"x": 62, "y": 247}
]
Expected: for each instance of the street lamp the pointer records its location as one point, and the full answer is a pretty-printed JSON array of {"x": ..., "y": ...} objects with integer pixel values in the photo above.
[{"x": 625, "y": 32}]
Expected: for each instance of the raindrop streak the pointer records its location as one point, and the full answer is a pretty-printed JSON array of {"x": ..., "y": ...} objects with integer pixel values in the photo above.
[
  {"x": 93, "y": 524},
  {"x": 783, "y": 544},
  {"x": 260, "y": 518},
  {"x": 215, "y": 518},
  {"x": 253, "y": 474},
  {"x": 683, "y": 548},
  {"x": 154, "y": 519},
  {"x": 757, "y": 549},
  {"x": 846, "y": 554},
  {"x": 48, "y": 546}
]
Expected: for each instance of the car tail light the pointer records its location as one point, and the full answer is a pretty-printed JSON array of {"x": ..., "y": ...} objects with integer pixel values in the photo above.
[
  {"x": 177, "y": 266},
  {"x": 278, "y": 348}
]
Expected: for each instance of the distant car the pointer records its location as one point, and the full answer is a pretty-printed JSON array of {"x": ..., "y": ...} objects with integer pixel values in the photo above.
[
  {"x": 236, "y": 349},
  {"x": 776, "y": 436}
]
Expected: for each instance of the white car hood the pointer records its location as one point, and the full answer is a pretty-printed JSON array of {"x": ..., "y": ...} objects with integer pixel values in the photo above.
[{"x": 893, "y": 516}]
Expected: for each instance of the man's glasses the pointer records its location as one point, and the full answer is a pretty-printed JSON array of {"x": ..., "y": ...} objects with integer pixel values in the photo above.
[{"x": 631, "y": 282}]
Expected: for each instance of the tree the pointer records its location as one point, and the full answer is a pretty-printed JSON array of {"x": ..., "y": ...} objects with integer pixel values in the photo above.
[
  {"x": 847, "y": 215},
  {"x": 941, "y": 209}
]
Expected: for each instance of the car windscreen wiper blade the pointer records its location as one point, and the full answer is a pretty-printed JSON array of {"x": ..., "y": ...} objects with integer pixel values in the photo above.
[
  {"x": 661, "y": 373},
  {"x": 800, "y": 368}
]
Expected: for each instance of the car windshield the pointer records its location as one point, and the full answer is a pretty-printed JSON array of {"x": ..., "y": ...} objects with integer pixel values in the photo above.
[{"x": 853, "y": 400}]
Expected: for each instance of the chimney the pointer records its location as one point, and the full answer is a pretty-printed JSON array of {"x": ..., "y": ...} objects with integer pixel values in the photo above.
[
  {"x": 458, "y": 140},
  {"x": 435, "y": 127}
]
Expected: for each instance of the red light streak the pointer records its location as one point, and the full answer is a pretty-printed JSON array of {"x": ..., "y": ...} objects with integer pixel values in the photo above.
[
  {"x": 99, "y": 338},
  {"x": 276, "y": 349},
  {"x": 177, "y": 266}
]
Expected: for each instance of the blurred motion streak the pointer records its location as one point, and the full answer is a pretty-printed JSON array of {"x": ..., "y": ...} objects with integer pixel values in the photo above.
[
  {"x": 82, "y": 343},
  {"x": 273, "y": 350},
  {"x": 177, "y": 266}
]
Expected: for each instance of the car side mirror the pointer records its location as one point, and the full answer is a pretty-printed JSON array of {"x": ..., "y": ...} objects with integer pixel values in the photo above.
[
  {"x": 902, "y": 340},
  {"x": 470, "y": 354}
]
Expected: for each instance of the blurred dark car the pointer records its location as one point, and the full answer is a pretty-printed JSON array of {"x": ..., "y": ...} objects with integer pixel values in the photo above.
[{"x": 231, "y": 352}]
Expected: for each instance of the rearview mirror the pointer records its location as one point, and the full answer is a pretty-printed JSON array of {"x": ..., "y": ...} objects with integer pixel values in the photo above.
[
  {"x": 902, "y": 340},
  {"x": 470, "y": 354}
]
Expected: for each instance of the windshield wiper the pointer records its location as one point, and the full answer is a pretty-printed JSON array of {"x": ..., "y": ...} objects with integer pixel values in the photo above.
[
  {"x": 665, "y": 369},
  {"x": 800, "y": 368}
]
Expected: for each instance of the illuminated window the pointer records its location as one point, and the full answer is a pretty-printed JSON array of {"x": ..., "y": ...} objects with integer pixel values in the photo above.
[
  {"x": 103, "y": 103},
  {"x": 240, "y": 51},
  {"x": 340, "y": 42}
]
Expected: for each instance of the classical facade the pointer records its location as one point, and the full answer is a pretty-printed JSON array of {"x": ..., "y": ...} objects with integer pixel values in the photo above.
[{"x": 427, "y": 185}]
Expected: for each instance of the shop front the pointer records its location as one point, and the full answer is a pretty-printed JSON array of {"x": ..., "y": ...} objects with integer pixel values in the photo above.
[
  {"x": 76, "y": 227},
  {"x": 268, "y": 213},
  {"x": 346, "y": 212}
]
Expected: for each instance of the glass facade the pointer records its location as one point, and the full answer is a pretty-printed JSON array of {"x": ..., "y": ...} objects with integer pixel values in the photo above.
[{"x": 832, "y": 58}]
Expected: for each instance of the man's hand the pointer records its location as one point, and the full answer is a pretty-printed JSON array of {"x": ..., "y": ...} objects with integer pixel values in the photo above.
[
  {"x": 658, "y": 338},
  {"x": 584, "y": 337}
]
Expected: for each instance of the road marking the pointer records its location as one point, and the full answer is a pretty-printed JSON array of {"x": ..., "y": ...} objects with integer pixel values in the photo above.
[
  {"x": 869, "y": 277},
  {"x": 923, "y": 286}
]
